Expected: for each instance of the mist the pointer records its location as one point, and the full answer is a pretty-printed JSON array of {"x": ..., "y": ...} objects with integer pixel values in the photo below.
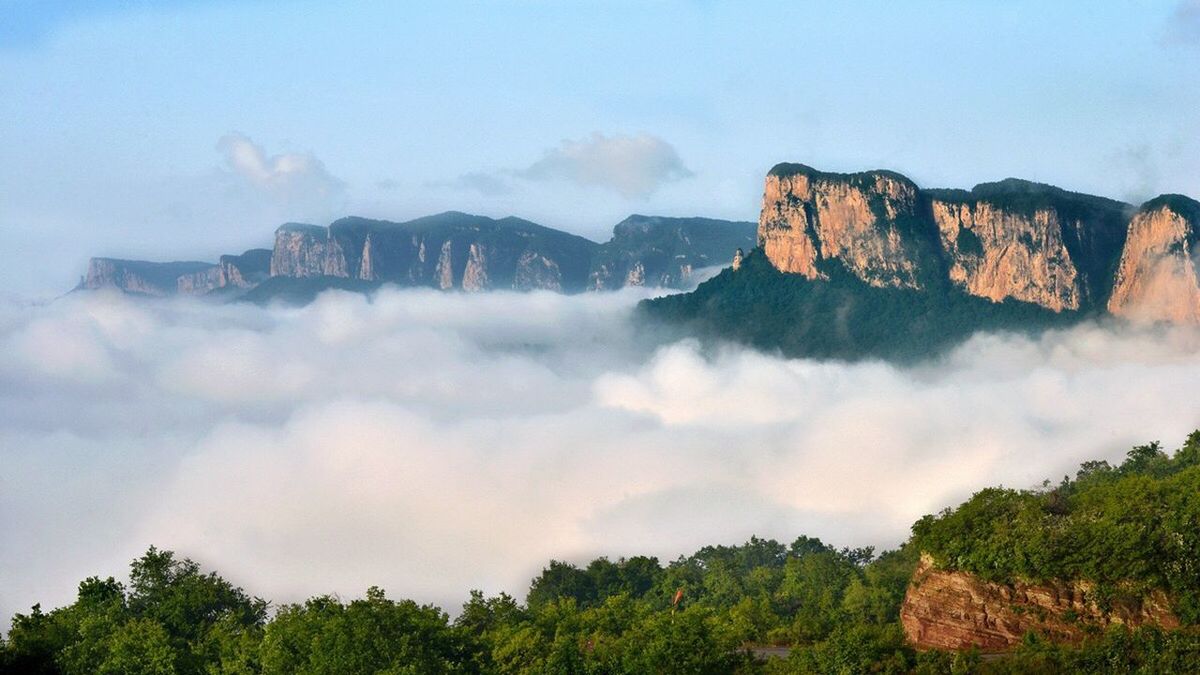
[{"x": 431, "y": 443}]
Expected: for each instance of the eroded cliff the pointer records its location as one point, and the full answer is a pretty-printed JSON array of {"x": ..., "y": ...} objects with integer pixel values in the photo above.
[
  {"x": 1012, "y": 239},
  {"x": 953, "y": 610},
  {"x": 866, "y": 221},
  {"x": 1157, "y": 277}
]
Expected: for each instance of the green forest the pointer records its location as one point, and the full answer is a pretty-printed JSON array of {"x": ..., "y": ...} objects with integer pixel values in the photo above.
[
  {"x": 840, "y": 317},
  {"x": 1130, "y": 528}
]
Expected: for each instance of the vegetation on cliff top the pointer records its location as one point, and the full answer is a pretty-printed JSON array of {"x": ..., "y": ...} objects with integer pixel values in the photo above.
[
  {"x": 842, "y": 317},
  {"x": 1129, "y": 528}
]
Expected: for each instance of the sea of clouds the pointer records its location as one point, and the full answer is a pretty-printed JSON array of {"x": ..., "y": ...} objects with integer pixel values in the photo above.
[{"x": 431, "y": 443}]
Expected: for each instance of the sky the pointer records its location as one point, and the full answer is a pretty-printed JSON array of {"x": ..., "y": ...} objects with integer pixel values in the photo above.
[{"x": 186, "y": 129}]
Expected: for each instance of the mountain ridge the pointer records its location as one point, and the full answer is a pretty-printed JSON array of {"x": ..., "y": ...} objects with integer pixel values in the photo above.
[{"x": 451, "y": 250}]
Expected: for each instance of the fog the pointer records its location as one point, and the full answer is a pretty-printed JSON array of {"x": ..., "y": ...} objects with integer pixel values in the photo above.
[{"x": 433, "y": 443}]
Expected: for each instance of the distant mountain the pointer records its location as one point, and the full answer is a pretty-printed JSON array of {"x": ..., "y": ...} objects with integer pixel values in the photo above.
[
  {"x": 665, "y": 252},
  {"x": 869, "y": 264},
  {"x": 445, "y": 251}
]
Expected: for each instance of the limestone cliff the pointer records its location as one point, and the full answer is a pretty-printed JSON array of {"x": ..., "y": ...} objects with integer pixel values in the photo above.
[
  {"x": 1012, "y": 239},
  {"x": 866, "y": 221},
  {"x": 299, "y": 251},
  {"x": 471, "y": 253},
  {"x": 1029, "y": 242},
  {"x": 149, "y": 278},
  {"x": 1157, "y": 277},
  {"x": 954, "y": 610},
  {"x": 245, "y": 270},
  {"x": 182, "y": 278}
]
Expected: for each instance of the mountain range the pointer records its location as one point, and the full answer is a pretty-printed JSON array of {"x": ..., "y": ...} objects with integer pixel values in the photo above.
[
  {"x": 446, "y": 251},
  {"x": 869, "y": 264}
]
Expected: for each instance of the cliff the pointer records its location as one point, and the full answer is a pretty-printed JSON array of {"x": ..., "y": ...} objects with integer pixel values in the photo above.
[
  {"x": 1030, "y": 242},
  {"x": 245, "y": 270},
  {"x": 147, "y": 278},
  {"x": 448, "y": 251},
  {"x": 1012, "y": 239},
  {"x": 869, "y": 222},
  {"x": 954, "y": 610},
  {"x": 664, "y": 252},
  {"x": 1157, "y": 276},
  {"x": 177, "y": 278}
]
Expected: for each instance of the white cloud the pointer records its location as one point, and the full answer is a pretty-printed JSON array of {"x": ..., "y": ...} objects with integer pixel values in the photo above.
[
  {"x": 431, "y": 443},
  {"x": 296, "y": 180},
  {"x": 634, "y": 166}
]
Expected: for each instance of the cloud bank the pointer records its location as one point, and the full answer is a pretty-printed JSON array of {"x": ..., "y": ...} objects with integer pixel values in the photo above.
[
  {"x": 293, "y": 180},
  {"x": 432, "y": 443},
  {"x": 633, "y": 166}
]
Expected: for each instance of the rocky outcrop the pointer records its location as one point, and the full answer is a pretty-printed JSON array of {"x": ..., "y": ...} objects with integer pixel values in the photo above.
[
  {"x": 299, "y": 251},
  {"x": 471, "y": 253},
  {"x": 1008, "y": 240},
  {"x": 953, "y": 610},
  {"x": 865, "y": 221},
  {"x": 150, "y": 278},
  {"x": 245, "y": 270},
  {"x": 664, "y": 252},
  {"x": 1029, "y": 242},
  {"x": 1157, "y": 277},
  {"x": 178, "y": 278}
]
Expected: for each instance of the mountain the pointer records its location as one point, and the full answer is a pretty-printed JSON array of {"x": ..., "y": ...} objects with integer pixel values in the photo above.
[
  {"x": 445, "y": 251},
  {"x": 1157, "y": 278},
  {"x": 665, "y": 252},
  {"x": 171, "y": 278},
  {"x": 869, "y": 264}
]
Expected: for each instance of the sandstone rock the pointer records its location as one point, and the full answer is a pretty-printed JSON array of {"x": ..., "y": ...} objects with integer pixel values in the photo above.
[
  {"x": 955, "y": 610},
  {"x": 1157, "y": 277}
]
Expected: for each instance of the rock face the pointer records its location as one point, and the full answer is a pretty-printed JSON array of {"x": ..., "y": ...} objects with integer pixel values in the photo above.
[
  {"x": 472, "y": 253},
  {"x": 1157, "y": 277},
  {"x": 149, "y": 278},
  {"x": 1012, "y": 239},
  {"x": 245, "y": 270},
  {"x": 182, "y": 278},
  {"x": 955, "y": 610},
  {"x": 664, "y": 252},
  {"x": 299, "y": 251},
  {"x": 864, "y": 220},
  {"x": 1030, "y": 242}
]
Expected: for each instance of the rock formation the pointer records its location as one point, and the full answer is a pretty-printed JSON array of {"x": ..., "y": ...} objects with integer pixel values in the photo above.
[
  {"x": 863, "y": 220},
  {"x": 955, "y": 610},
  {"x": 1008, "y": 240},
  {"x": 182, "y": 278},
  {"x": 245, "y": 270},
  {"x": 148, "y": 278},
  {"x": 664, "y": 252},
  {"x": 1157, "y": 276},
  {"x": 447, "y": 251}
]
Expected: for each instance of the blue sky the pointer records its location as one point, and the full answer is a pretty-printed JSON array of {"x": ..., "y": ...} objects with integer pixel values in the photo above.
[{"x": 185, "y": 129}]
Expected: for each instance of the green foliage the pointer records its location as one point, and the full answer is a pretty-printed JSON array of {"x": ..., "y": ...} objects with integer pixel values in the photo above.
[
  {"x": 841, "y": 318},
  {"x": 1134, "y": 527},
  {"x": 833, "y": 611}
]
